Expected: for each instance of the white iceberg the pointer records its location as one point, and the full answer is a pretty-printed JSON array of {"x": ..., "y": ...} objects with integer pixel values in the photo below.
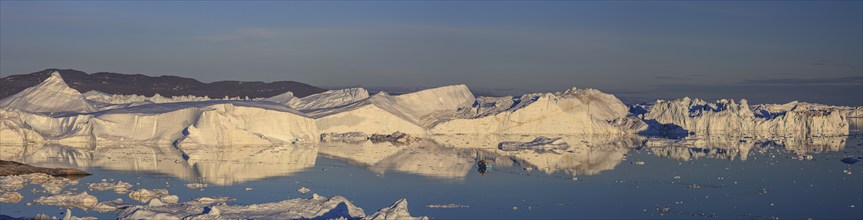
[
  {"x": 727, "y": 116},
  {"x": 50, "y": 96},
  {"x": 385, "y": 114},
  {"x": 575, "y": 111},
  {"x": 328, "y": 99}
]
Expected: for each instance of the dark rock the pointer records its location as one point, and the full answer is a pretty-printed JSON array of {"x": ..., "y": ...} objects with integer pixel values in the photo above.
[{"x": 14, "y": 168}]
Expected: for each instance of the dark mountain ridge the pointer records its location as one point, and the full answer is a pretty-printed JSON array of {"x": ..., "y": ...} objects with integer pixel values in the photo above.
[{"x": 127, "y": 84}]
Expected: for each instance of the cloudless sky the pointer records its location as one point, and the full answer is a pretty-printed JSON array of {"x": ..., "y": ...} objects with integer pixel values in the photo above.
[{"x": 766, "y": 51}]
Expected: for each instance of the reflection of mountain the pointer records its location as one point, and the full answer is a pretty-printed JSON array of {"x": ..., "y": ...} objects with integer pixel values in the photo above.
[
  {"x": 215, "y": 165},
  {"x": 734, "y": 147}
]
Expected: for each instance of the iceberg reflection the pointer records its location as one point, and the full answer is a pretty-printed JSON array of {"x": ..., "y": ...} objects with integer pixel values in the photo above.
[{"x": 440, "y": 156}]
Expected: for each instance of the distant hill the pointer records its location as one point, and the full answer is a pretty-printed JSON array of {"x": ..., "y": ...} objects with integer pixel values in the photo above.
[{"x": 126, "y": 84}]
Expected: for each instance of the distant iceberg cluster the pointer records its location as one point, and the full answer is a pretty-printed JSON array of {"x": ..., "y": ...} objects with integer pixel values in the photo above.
[{"x": 53, "y": 112}]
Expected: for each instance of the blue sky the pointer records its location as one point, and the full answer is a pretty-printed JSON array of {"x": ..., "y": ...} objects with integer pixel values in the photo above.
[{"x": 766, "y": 51}]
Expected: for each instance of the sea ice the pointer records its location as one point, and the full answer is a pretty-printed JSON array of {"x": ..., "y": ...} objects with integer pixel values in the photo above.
[{"x": 82, "y": 200}]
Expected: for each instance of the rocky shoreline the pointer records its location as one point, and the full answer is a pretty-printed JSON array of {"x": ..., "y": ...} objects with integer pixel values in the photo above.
[{"x": 8, "y": 168}]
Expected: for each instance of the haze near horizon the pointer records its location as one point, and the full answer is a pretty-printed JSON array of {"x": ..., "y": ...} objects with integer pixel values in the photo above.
[{"x": 767, "y": 52}]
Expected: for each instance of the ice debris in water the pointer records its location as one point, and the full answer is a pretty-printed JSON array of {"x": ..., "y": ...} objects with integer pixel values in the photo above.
[
  {"x": 10, "y": 197},
  {"x": 145, "y": 195},
  {"x": 109, "y": 206},
  {"x": 317, "y": 207},
  {"x": 304, "y": 190},
  {"x": 446, "y": 206},
  {"x": 196, "y": 185},
  {"x": 82, "y": 200},
  {"x": 119, "y": 187},
  {"x": 803, "y": 157},
  {"x": 69, "y": 216},
  {"x": 51, "y": 185}
]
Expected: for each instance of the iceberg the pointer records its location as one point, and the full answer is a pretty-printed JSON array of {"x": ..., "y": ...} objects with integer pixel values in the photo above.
[
  {"x": 328, "y": 99},
  {"x": 385, "y": 114},
  {"x": 727, "y": 116},
  {"x": 51, "y": 96},
  {"x": 51, "y": 112},
  {"x": 575, "y": 111}
]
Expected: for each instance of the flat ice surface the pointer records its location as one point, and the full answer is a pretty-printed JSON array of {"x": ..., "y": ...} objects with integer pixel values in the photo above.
[{"x": 595, "y": 177}]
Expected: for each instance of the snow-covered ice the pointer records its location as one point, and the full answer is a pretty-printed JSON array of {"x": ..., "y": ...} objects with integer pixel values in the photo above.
[
  {"x": 575, "y": 111},
  {"x": 317, "y": 207},
  {"x": 55, "y": 113},
  {"x": 324, "y": 100},
  {"x": 727, "y": 116},
  {"x": 51, "y": 96}
]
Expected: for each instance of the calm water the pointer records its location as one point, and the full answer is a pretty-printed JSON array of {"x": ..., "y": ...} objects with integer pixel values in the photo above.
[{"x": 709, "y": 177}]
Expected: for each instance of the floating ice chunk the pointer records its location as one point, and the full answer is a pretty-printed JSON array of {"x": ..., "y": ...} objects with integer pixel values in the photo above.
[
  {"x": 196, "y": 185},
  {"x": 69, "y": 216},
  {"x": 317, "y": 207},
  {"x": 55, "y": 185},
  {"x": 119, "y": 187},
  {"x": 145, "y": 195},
  {"x": 109, "y": 206},
  {"x": 304, "y": 190},
  {"x": 51, "y": 185},
  {"x": 446, "y": 206},
  {"x": 11, "y": 183},
  {"x": 170, "y": 199},
  {"x": 82, "y": 200},
  {"x": 10, "y": 197},
  {"x": 208, "y": 200},
  {"x": 398, "y": 210}
]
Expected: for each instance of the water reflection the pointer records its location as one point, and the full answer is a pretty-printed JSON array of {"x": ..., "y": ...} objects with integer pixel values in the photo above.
[
  {"x": 229, "y": 165},
  {"x": 213, "y": 165},
  {"x": 441, "y": 157},
  {"x": 425, "y": 157},
  {"x": 740, "y": 147}
]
